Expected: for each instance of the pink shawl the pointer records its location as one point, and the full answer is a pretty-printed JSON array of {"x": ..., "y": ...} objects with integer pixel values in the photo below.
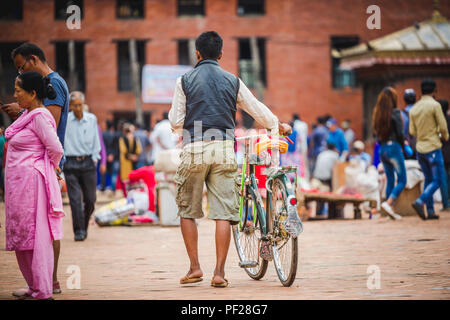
[{"x": 51, "y": 182}]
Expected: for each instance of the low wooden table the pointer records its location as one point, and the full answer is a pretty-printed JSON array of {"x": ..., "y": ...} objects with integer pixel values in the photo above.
[{"x": 335, "y": 202}]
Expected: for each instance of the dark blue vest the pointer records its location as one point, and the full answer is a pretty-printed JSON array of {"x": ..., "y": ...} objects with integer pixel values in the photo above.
[{"x": 211, "y": 96}]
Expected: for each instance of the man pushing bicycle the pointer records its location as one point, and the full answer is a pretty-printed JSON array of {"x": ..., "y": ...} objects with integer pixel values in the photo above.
[{"x": 204, "y": 109}]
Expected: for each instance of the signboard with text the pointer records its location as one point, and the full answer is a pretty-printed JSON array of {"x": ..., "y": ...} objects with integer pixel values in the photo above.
[{"x": 158, "y": 82}]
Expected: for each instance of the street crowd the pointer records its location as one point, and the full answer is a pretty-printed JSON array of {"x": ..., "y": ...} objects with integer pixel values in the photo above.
[{"x": 55, "y": 138}]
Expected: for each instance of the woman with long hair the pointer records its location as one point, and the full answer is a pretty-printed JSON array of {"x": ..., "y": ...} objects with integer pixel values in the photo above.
[
  {"x": 33, "y": 204},
  {"x": 387, "y": 124}
]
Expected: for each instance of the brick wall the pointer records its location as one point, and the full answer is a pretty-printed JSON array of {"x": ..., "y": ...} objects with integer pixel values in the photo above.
[{"x": 297, "y": 49}]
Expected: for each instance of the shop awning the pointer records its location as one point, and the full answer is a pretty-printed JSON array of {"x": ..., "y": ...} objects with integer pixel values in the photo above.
[{"x": 425, "y": 43}]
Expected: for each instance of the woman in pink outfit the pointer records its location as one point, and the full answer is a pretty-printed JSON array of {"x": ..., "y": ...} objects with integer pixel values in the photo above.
[{"x": 33, "y": 203}]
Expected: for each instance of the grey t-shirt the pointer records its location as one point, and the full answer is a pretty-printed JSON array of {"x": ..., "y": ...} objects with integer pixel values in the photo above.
[{"x": 324, "y": 164}]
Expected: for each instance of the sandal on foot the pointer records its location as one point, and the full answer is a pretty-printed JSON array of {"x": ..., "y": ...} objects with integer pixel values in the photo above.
[
  {"x": 188, "y": 279},
  {"x": 222, "y": 284}
]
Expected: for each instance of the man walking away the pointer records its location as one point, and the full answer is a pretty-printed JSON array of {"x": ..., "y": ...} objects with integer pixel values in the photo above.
[
  {"x": 205, "y": 100},
  {"x": 82, "y": 151},
  {"x": 426, "y": 121}
]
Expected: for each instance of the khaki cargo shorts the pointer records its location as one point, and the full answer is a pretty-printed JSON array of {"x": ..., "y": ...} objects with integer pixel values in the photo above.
[{"x": 214, "y": 164}]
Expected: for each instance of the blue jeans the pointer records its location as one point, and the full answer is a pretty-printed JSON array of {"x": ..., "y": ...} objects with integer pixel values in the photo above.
[
  {"x": 391, "y": 155},
  {"x": 444, "y": 185},
  {"x": 432, "y": 165}
]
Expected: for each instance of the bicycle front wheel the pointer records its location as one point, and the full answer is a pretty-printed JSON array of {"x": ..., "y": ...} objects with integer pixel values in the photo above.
[
  {"x": 247, "y": 238},
  {"x": 284, "y": 247}
]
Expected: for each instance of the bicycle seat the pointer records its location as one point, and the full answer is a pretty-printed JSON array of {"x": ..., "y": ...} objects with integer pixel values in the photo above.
[{"x": 271, "y": 144}]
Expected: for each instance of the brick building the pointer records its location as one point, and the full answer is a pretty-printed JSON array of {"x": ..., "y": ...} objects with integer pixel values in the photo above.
[{"x": 294, "y": 38}]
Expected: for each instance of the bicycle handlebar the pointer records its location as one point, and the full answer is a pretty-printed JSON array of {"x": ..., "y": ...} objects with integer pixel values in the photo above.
[{"x": 261, "y": 135}]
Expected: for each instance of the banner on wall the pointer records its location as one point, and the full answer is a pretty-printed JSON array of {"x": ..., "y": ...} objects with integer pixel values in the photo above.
[{"x": 158, "y": 82}]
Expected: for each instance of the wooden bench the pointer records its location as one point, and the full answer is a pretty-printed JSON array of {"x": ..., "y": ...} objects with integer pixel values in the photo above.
[{"x": 335, "y": 202}]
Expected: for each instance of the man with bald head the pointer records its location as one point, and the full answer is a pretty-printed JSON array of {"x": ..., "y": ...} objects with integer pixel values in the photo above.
[{"x": 82, "y": 151}]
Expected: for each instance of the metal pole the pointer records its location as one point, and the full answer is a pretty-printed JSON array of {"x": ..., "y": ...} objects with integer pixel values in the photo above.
[
  {"x": 191, "y": 50},
  {"x": 73, "y": 85},
  {"x": 135, "y": 80},
  {"x": 256, "y": 66}
]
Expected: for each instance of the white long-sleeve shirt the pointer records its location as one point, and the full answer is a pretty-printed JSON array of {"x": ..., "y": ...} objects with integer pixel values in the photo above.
[{"x": 245, "y": 100}]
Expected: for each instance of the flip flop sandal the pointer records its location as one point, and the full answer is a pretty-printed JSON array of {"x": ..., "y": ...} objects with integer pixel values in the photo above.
[
  {"x": 223, "y": 284},
  {"x": 187, "y": 279}
]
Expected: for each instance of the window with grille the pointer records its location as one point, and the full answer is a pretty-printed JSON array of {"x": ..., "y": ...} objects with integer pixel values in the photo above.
[
  {"x": 11, "y": 10},
  {"x": 76, "y": 80},
  {"x": 251, "y": 7},
  {"x": 130, "y": 9},
  {"x": 186, "y": 53},
  {"x": 246, "y": 65},
  {"x": 124, "y": 78},
  {"x": 8, "y": 70},
  {"x": 191, "y": 7},
  {"x": 342, "y": 78}
]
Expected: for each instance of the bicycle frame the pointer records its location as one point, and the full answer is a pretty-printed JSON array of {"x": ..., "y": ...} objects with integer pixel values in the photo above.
[{"x": 249, "y": 185}]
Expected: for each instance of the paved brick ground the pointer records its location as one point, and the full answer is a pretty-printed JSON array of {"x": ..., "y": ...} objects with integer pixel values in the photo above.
[{"x": 147, "y": 262}]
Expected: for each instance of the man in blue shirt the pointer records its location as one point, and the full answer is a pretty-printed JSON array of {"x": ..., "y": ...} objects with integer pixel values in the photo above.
[
  {"x": 82, "y": 153},
  {"x": 29, "y": 57},
  {"x": 337, "y": 138}
]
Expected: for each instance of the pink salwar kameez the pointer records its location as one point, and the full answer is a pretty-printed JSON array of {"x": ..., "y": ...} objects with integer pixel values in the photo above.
[{"x": 33, "y": 203}]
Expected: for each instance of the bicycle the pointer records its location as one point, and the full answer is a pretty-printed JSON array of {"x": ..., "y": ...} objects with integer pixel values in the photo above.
[{"x": 264, "y": 235}]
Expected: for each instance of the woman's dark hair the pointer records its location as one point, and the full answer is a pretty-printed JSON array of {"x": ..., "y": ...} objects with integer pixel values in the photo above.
[
  {"x": 381, "y": 120},
  {"x": 209, "y": 44},
  {"x": 32, "y": 81}
]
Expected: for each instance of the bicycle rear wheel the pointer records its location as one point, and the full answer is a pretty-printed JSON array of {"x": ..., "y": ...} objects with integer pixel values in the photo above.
[
  {"x": 284, "y": 247},
  {"x": 247, "y": 239}
]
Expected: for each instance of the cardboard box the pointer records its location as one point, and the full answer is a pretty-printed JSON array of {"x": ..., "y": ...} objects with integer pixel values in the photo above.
[{"x": 403, "y": 204}]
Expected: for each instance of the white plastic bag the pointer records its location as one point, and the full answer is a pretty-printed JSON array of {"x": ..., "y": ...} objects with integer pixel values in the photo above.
[{"x": 139, "y": 199}]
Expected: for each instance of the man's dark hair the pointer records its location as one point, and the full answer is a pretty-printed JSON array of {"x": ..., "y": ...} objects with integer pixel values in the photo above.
[
  {"x": 27, "y": 49},
  {"x": 165, "y": 115},
  {"x": 444, "y": 106},
  {"x": 209, "y": 44},
  {"x": 331, "y": 146},
  {"x": 428, "y": 86},
  {"x": 322, "y": 120},
  {"x": 109, "y": 124},
  {"x": 296, "y": 116}
]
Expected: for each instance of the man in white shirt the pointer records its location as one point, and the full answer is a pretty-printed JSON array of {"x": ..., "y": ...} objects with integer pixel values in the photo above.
[
  {"x": 82, "y": 151},
  {"x": 204, "y": 108},
  {"x": 324, "y": 165},
  {"x": 162, "y": 137}
]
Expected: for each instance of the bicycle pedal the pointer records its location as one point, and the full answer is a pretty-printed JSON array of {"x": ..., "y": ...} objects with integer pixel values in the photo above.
[{"x": 248, "y": 264}]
